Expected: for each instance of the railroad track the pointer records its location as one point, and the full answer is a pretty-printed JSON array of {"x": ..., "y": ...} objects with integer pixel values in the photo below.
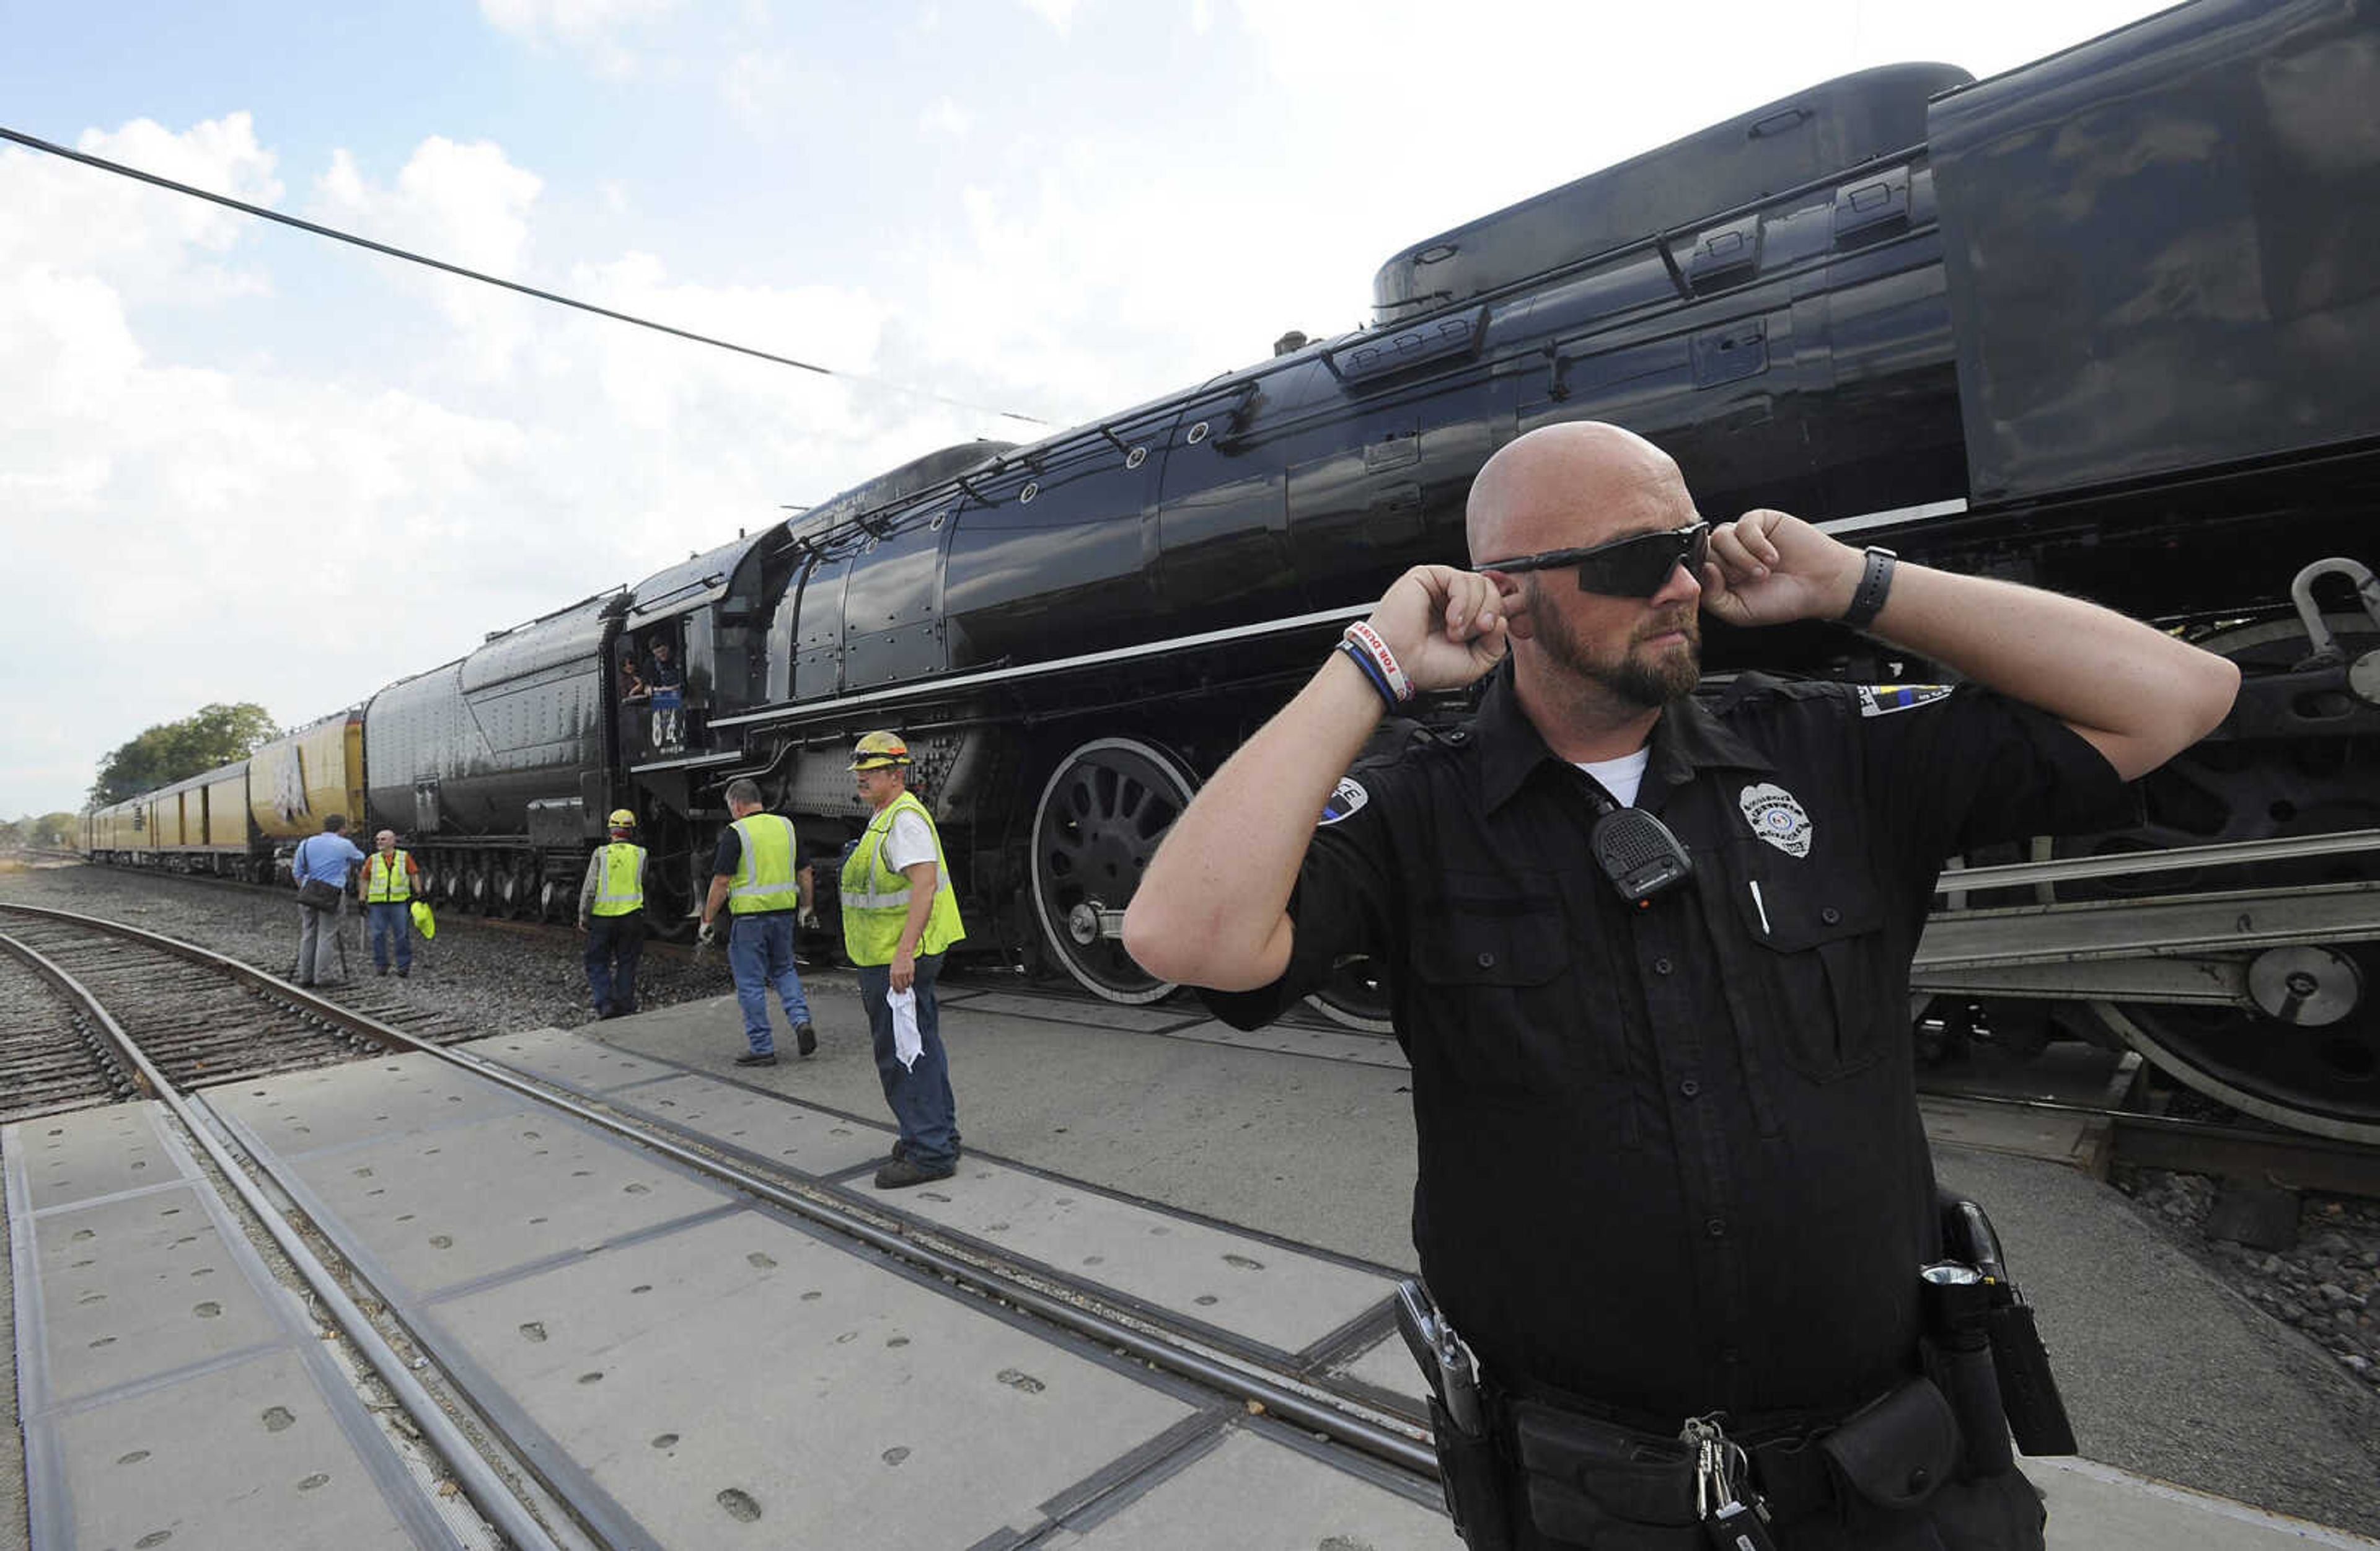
[
  {"x": 51, "y": 1058},
  {"x": 110, "y": 976}
]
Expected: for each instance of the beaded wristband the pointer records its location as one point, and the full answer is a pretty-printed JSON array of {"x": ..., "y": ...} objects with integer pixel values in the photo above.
[
  {"x": 1365, "y": 640},
  {"x": 1371, "y": 672}
]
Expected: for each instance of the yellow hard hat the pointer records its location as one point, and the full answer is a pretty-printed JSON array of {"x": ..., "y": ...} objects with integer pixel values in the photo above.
[
  {"x": 621, "y": 819},
  {"x": 876, "y": 750}
]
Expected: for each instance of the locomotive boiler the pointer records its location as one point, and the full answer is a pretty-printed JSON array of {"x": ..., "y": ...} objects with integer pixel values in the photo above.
[{"x": 2106, "y": 323}]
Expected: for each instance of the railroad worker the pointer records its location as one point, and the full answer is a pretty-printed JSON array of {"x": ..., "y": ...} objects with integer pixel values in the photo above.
[
  {"x": 611, "y": 916},
  {"x": 900, "y": 914},
  {"x": 758, "y": 875},
  {"x": 320, "y": 860},
  {"x": 386, "y": 887},
  {"x": 1670, "y": 1156},
  {"x": 665, "y": 684}
]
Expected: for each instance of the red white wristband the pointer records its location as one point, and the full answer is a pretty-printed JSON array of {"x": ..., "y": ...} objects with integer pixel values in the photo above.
[{"x": 1365, "y": 640}]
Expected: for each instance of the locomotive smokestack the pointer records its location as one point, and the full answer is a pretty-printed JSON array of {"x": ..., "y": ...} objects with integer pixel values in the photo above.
[{"x": 1290, "y": 344}]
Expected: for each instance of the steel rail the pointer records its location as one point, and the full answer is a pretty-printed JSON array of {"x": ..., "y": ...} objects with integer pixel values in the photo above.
[
  {"x": 473, "y": 1473},
  {"x": 1407, "y": 1449}
]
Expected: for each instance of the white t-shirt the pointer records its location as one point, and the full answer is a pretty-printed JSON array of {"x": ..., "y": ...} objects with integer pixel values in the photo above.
[
  {"x": 1620, "y": 777},
  {"x": 908, "y": 842}
]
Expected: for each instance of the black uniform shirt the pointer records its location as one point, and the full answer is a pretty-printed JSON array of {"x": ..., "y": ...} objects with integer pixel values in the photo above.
[{"x": 1670, "y": 1157}]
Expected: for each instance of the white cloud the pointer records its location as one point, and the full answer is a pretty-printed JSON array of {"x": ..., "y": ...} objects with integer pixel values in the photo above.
[
  {"x": 758, "y": 85},
  {"x": 464, "y": 204},
  {"x": 596, "y": 29},
  {"x": 65, "y": 216},
  {"x": 945, "y": 118},
  {"x": 1059, "y": 14}
]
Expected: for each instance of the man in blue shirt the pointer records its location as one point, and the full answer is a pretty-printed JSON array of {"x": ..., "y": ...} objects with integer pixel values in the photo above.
[
  {"x": 323, "y": 858},
  {"x": 667, "y": 682}
]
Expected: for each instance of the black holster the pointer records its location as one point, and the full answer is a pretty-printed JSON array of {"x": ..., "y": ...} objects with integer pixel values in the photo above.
[
  {"x": 1472, "y": 1480},
  {"x": 2026, "y": 1390}
]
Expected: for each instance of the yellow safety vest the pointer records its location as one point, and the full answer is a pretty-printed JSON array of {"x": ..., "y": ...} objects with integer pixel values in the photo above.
[
  {"x": 620, "y": 891},
  {"x": 389, "y": 882},
  {"x": 876, "y": 898},
  {"x": 764, "y": 872}
]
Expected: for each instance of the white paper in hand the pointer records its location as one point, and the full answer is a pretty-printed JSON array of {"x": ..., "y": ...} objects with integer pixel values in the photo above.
[{"x": 908, "y": 1043}]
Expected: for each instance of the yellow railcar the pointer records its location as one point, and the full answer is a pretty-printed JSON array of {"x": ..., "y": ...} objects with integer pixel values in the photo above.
[
  {"x": 228, "y": 818},
  {"x": 303, "y": 775}
]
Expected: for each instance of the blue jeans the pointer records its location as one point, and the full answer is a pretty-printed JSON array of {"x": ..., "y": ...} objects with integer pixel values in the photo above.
[
  {"x": 614, "y": 943},
  {"x": 761, "y": 951},
  {"x": 391, "y": 919},
  {"x": 919, "y": 1096}
]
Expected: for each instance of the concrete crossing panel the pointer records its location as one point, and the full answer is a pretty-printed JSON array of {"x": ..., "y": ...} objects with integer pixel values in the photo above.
[
  {"x": 742, "y": 1383},
  {"x": 244, "y": 1456},
  {"x": 1265, "y": 1293},
  {"x": 1090, "y": 1014},
  {"x": 1387, "y": 1365},
  {"x": 96, "y": 1153},
  {"x": 1255, "y": 1490},
  {"x": 450, "y": 1206},
  {"x": 565, "y": 1057},
  {"x": 1338, "y": 1044},
  {"x": 137, "y": 1286},
  {"x": 301, "y": 1112},
  {"x": 171, "y": 1391},
  {"x": 789, "y": 1135}
]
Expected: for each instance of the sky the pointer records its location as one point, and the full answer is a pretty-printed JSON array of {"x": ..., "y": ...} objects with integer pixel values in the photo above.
[{"x": 239, "y": 462}]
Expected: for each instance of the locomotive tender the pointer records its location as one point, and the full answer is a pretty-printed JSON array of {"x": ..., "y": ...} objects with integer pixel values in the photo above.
[{"x": 2106, "y": 323}]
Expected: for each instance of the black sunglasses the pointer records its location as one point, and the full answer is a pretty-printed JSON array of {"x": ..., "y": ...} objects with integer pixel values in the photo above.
[{"x": 1637, "y": 566}]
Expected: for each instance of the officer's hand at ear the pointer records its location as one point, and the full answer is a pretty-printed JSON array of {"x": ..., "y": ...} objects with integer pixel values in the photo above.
[
  {"x": 1769, "y": 568},
  {"x": 1445, "y": 627}
]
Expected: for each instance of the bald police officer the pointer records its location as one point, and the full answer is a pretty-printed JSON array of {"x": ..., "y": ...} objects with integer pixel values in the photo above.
[{"x": 1670, "y": 1162}]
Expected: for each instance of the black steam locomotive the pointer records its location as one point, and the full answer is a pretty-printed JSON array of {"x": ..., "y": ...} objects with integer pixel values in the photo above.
[{"x": 2106, "y": 323}]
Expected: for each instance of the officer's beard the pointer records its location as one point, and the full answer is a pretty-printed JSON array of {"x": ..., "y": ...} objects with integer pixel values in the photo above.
[{"x": 1639, "y": 676}]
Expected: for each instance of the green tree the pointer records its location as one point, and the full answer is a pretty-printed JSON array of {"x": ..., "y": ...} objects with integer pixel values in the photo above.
[
  {"x": 211, "y": 736},
  {"x": 51, "y": 829}
]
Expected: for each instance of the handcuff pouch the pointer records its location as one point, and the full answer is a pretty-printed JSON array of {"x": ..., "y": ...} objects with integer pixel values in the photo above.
[{"x": 1897, "y": 1450}]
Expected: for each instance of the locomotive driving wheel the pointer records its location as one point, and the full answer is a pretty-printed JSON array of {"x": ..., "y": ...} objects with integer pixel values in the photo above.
[
  {"x": 1100, "y": 818},
  {"x": 2307, "y": 1056}
]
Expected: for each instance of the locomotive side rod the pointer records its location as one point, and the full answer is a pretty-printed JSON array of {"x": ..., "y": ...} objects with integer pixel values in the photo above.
[{"x": 2177, "y": 948}]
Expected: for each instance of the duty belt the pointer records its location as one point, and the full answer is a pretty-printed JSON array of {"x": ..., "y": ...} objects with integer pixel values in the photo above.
[{"x": 1892, "y": 1451}]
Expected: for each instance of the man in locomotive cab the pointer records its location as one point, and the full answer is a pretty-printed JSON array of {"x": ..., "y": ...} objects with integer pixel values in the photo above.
[
  {"x": 665, "y": 682},
  {"x": 612, "y": 916},
  {"x": 900, "y": 914},
  {"x": 758, "y": 876},
  {"x": 1649, "y": 957},
  {"x": 386, "y": 887}
]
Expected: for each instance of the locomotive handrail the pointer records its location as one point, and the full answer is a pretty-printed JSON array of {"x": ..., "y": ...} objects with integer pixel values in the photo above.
[
  {"x": 786, "y": 711},
  {"x": 2182, "y": 858}
]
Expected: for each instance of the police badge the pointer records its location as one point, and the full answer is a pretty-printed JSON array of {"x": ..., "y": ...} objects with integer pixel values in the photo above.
[{"x": 1776, "y": 817}]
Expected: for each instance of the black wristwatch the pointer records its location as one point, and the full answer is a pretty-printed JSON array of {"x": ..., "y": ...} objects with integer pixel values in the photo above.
[{"x": 1875, "y": 581}]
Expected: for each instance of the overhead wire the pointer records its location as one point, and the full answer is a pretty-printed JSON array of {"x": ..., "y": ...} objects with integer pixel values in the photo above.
[{"x": 264, "y": 213}]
